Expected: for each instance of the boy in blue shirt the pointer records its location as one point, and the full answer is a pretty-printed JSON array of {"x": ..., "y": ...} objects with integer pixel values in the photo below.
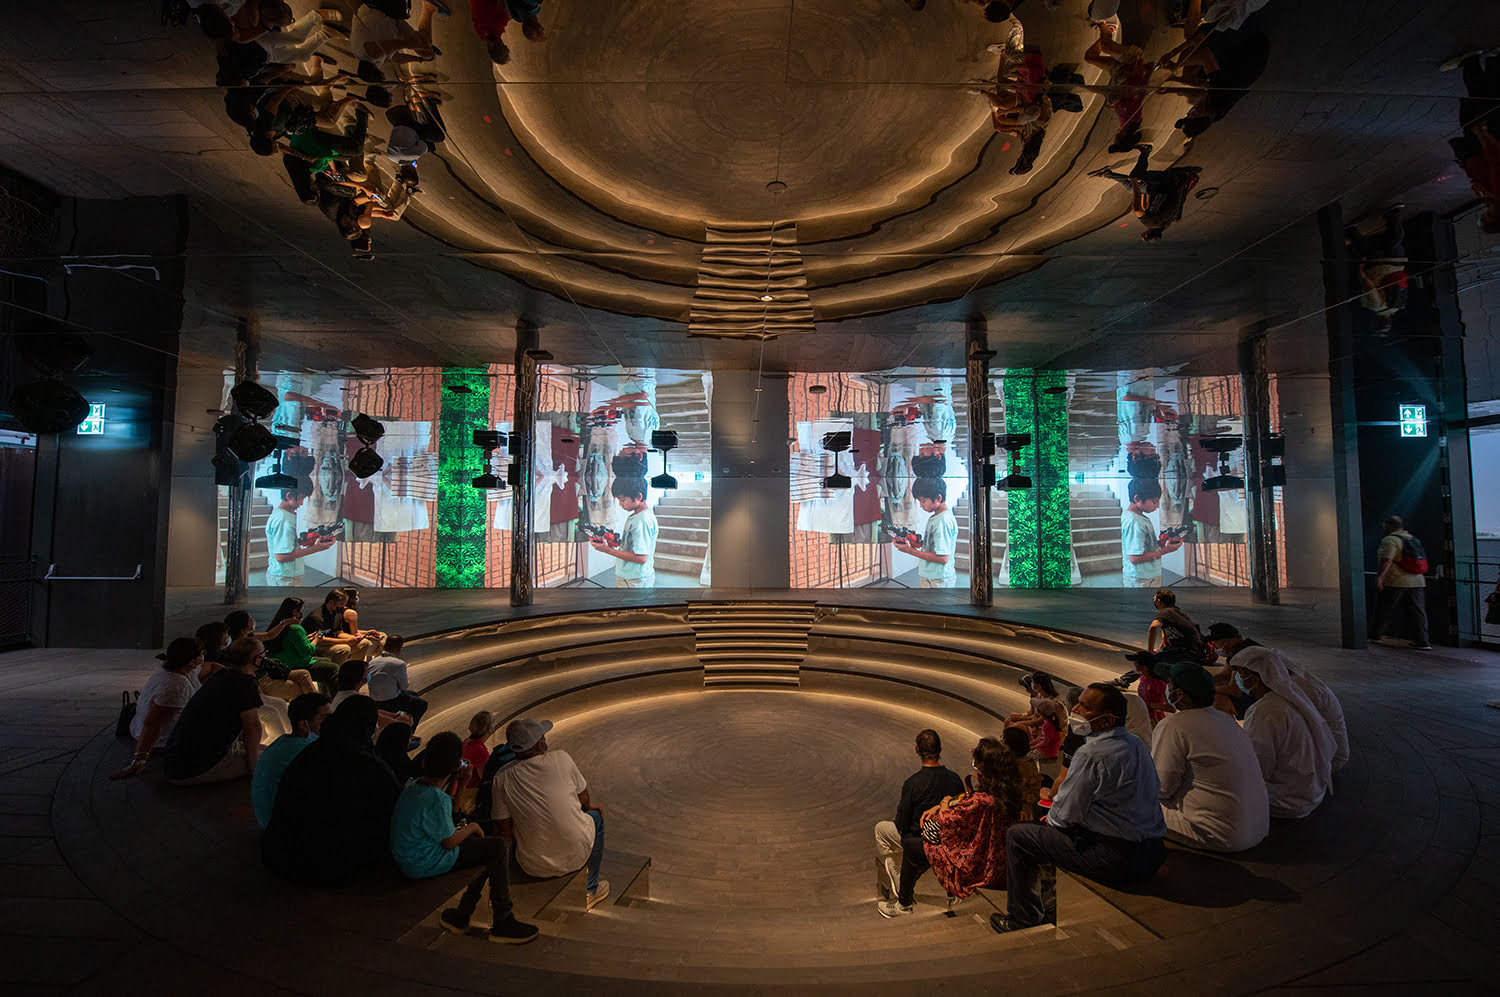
[
  {"x": 939, "y": 540},
  {"x": 425, "y": 842},
  {"x": 637, "y": 550},
  {"x": 306, "y": 714}
]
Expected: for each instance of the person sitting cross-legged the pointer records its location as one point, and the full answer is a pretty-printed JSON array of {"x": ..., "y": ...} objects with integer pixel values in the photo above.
[
  {"x": 1212, "y": 793},
  {"x": 389, "y": 685},
  {"x": 542, "y": 801},
  {"x": 426, "y": 842},
  {"x": 305, "y": 714},
  {"x": 1291, "y": 739},
  {"x": 1105, "y": 822},
  {"x": 898, "y": 843},
  {"x": 218, "y": 735},
  {"x": 161, "y": 702}
]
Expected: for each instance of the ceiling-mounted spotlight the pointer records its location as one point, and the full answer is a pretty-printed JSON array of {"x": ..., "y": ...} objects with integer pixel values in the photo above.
[
  {"x": 48, "y": 406},
  {"x": 252, "y": 442},
  {"x": 1223, "y": 446},
  {"x": 664, "y": 440},
  {"x": 254, "y": 400},
  {"x": 1013, "y": 444},
  {"x": 837, "y": 443},
  {"x": 491, "y": 440},
  {"x": 366, "y": 461},
  {"x": 276, "y": 479},
  {"x": 817, "y": 389}
]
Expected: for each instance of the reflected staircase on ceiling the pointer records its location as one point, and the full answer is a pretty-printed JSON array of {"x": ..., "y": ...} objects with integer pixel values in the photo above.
[{"x": 740, "y": 265}]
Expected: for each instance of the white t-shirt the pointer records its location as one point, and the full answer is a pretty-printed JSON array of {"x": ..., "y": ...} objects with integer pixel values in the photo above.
[
  {"x": 386, "y": 678},
  {"x": 340, "y": 696},
  {"x": 1138, "y": 536},
  {"x": 281, "y": 538},
  {"x": 1288, "y": 757},
  {"x": 1210, "y": 775},
  {"x": 553, "y": 834},
  {"x": 167, "y": 689}
]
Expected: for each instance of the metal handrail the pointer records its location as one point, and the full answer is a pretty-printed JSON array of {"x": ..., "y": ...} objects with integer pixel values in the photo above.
[{"x": 51, "y": 577}]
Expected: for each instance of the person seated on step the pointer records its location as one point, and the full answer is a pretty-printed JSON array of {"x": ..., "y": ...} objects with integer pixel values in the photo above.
[
  {"x": 1105, "y": 822},
  {"x": 1072, "y": 741},
  {"x": 1212, "y": 792},
  {"x": 331, "y": 821},
  {"x": 964, "y": 837},
  {"x": 426, "y": 842},
  {"x": 898, "y": 843},
  {"x": 162, "y": 700},
  {"x": 1229, "y": 642},
  {"x": 218, "y": 735},
  {"x": 293, "y": 649},
  {"x": 388, "y": 684},
  {"x": 305, "y": 714},
  {"x": 350, "y": 624},
  {"x": 1046, "y": 739},
  {"x": 1019, "y": 745},
  {"x": 1291, "y": 739},
  {"x": 213, "y": 637},
  {"x": 541, "y": 801},
  {"x": 1044, "y": 701},
  {"x": 352, "y": 675},
  {"x": 1172, "y": 636},
  {"x": 325, "y": 625},
  {"x": 476, "y": 757}
]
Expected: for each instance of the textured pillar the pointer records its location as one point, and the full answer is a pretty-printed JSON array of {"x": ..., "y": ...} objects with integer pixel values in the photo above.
[
  {"x": 237, "y": 542},
  {"x": 522, "y": 446},
  {"x": 1039, "y": 527},
  {"x": 461, "y": 536},
  {"x": 1260, "y": 501},
  {"x": 977, "y": 378}
]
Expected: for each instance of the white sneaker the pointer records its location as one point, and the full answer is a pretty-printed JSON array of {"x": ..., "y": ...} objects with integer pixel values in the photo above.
[
  {"x": 592, "y": 899},
  {"x": 894, "y": 908},
  {"x": 893, "y": 873}
]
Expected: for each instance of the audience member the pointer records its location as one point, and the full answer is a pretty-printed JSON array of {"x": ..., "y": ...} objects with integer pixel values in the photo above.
[
  {"x": 1229, "y": 641},
  {"x": 1044, "y": 702},
  {"x": 476, "y": 756},
  {"x": 378, "y": 38},
  {"x": 389, "y": 684},
  {"x": 426, "y": 842},
  {"x": 351, "y": 681},
  {"x": 350, "y": 623},
  {"x": 1212, "y": 792},
  {"x": 1381, "y": 259},
  {"x": 1128, "y": 81},
  {"x": 326, "y": 625},
  {"x": 1292, "y": 741},
  {"x": 293, "y": 649},
  {"x": 332, "y": 816},
  {"x": 161, "y": 701},
  {"x": 1105, "y": 822},
  {"x": 1477, "y": 151},
  {"x": 1218, "y": 68},
  {"x": 964, "y": 837},
  {"x": 305, "y": 714},
  {"x": 1157, "y": 196},
  {"x": 213, "y": 638},
  {"x": 217, "y": 736},
  {"x": 898, "y": 843},
  {"x": 542, "y": 802},
  {"x": 1046, "y": 738},
  {"x": 1019, "y": 745},
  {"x": 1152, "y": 692},
  {"x": 528, "y": 13}
]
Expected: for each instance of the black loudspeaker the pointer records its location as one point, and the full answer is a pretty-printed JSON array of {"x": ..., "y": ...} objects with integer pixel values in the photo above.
[{"x": 48, "y": 406}]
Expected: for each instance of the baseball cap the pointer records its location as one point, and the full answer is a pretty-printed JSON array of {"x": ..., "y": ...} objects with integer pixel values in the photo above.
[{"x": 523, "y": 734}]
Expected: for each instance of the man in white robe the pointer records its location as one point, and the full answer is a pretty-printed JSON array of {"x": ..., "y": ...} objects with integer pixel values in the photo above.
[{"x": 1291, "y": 739}]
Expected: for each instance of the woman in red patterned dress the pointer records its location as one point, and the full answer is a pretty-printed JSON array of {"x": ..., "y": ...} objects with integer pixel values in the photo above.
[{"x": 970, "y": 851}]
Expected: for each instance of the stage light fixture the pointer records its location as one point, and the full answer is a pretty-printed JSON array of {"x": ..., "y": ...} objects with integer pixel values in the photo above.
[
  {"x": 253, "y": 399},
  {"x": 1013, "y": 444},
  {"x": 365, "y": 462},
  {"x": 664, "y": 440},
  {"x": 490, "y": 440},
  {"x": 838, "y": 442},
  {"x": 48, "y": 406},
  {"x": 1223, "y": 446},
  {"x": 367, "y": 430},
  {"x": 252, "y": 442}
]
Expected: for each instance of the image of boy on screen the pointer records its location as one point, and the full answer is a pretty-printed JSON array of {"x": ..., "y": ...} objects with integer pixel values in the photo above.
[
  {"x": 1140, "y": 553},
  {"x": 285, "y": 548},
  {"x": 637, "y": 549},
  {"x": 939, "y": 540}
]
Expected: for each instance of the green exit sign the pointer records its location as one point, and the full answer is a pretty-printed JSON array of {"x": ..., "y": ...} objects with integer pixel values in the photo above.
[{"x": 1413, "y": 420}]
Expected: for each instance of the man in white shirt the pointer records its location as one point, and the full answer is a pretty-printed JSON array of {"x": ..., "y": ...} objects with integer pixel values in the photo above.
[
  {"x": 1291, "y": 739},
  {"x": 1229, "y": 642},
  {"x": 1212, "y": 793},
  {"x": 387, "y": 683},
  {"x": 541, "y": 802}
]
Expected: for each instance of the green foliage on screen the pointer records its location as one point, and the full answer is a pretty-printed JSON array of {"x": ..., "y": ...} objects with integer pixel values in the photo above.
[
  {"x": 1039, "y": 528},
  {"x": 461, "y": 532}
]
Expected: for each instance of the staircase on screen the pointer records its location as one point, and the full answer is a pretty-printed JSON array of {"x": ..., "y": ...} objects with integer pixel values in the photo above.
[
  {"x": 751, "y": 645},
  {"x": 742, "y": 264},
  {"x": 684, "y": 513}
]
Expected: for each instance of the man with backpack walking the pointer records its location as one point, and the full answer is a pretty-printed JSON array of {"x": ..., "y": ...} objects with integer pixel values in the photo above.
[{"x": 1401, "y": 583}]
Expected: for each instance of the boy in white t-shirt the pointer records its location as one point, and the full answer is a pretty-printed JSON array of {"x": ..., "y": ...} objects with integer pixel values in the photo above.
[{"x": 541, "y": 801}]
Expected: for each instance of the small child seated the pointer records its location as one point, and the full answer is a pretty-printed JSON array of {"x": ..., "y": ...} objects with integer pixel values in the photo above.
[{"x": 426, "y": 842}]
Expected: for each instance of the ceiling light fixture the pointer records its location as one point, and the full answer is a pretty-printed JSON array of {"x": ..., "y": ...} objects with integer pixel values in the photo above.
[
  {"x": 664, "y": 440},
  {"x": 1223, "y": 446},
  {"x": 366, "y": 461},
  {"x": 491, "y": 440}
]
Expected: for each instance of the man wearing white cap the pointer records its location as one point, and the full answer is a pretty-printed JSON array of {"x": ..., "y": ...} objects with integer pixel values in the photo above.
[
  {"x": 1291, "y": 739},
  {"x": 542, "y": 802}
]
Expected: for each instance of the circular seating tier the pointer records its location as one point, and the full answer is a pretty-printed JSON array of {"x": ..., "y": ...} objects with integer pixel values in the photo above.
[{"x": 741, "y": 753}]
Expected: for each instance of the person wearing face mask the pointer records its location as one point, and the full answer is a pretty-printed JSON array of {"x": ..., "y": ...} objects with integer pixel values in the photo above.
[
  {"x": 1291, "y": 739},
  {"x": 1105, "y": 822},
  {"x": 1212, "y": 793},
  {"x": 166, "y": 692}
]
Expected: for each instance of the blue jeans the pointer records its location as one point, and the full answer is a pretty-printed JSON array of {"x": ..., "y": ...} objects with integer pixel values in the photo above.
[{"x": 596, "y": 857}]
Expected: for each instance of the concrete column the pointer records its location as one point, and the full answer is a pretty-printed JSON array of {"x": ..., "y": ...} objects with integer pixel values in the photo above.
[
  {"x": 977, "y": 377},
  {"x": 1259, "y": 498},
  {"x": 522, "y": 446}
]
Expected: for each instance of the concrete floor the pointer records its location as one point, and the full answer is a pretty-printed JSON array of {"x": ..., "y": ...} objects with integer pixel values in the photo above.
[{"x": 1390, "y": 886}]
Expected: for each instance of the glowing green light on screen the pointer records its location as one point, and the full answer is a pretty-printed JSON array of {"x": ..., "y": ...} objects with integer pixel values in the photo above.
[{"x": 461, "y": 533}]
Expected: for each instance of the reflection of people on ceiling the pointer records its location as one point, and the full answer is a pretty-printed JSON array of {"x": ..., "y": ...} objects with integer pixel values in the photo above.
[
  {"x": 1128, "y": 79},
  {"x": 1217, "y": 67},
  {"x": 934, "y": 399},
  {"x": 1478, "y": 150},
  {"x": 490, "y": 18},
  {"x": 1157, "y": 196},
  {"x": 939, "y": 539},
  {"x": 528, "y": 12},
  {"x": 379, "y": 38},
  {"x": 637, "y": 400},
  {"x": 1382, "y": 268}
]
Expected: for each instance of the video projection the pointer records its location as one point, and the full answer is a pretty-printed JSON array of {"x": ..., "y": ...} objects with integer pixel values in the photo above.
[
  {"x": 422, "y": 521},
  {"x": 879, "y": 471},
  {"x": 1116, "y": 483}
]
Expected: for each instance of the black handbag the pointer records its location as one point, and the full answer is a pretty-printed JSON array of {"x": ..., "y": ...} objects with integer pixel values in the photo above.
[{"x": 128, "y": 705}]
